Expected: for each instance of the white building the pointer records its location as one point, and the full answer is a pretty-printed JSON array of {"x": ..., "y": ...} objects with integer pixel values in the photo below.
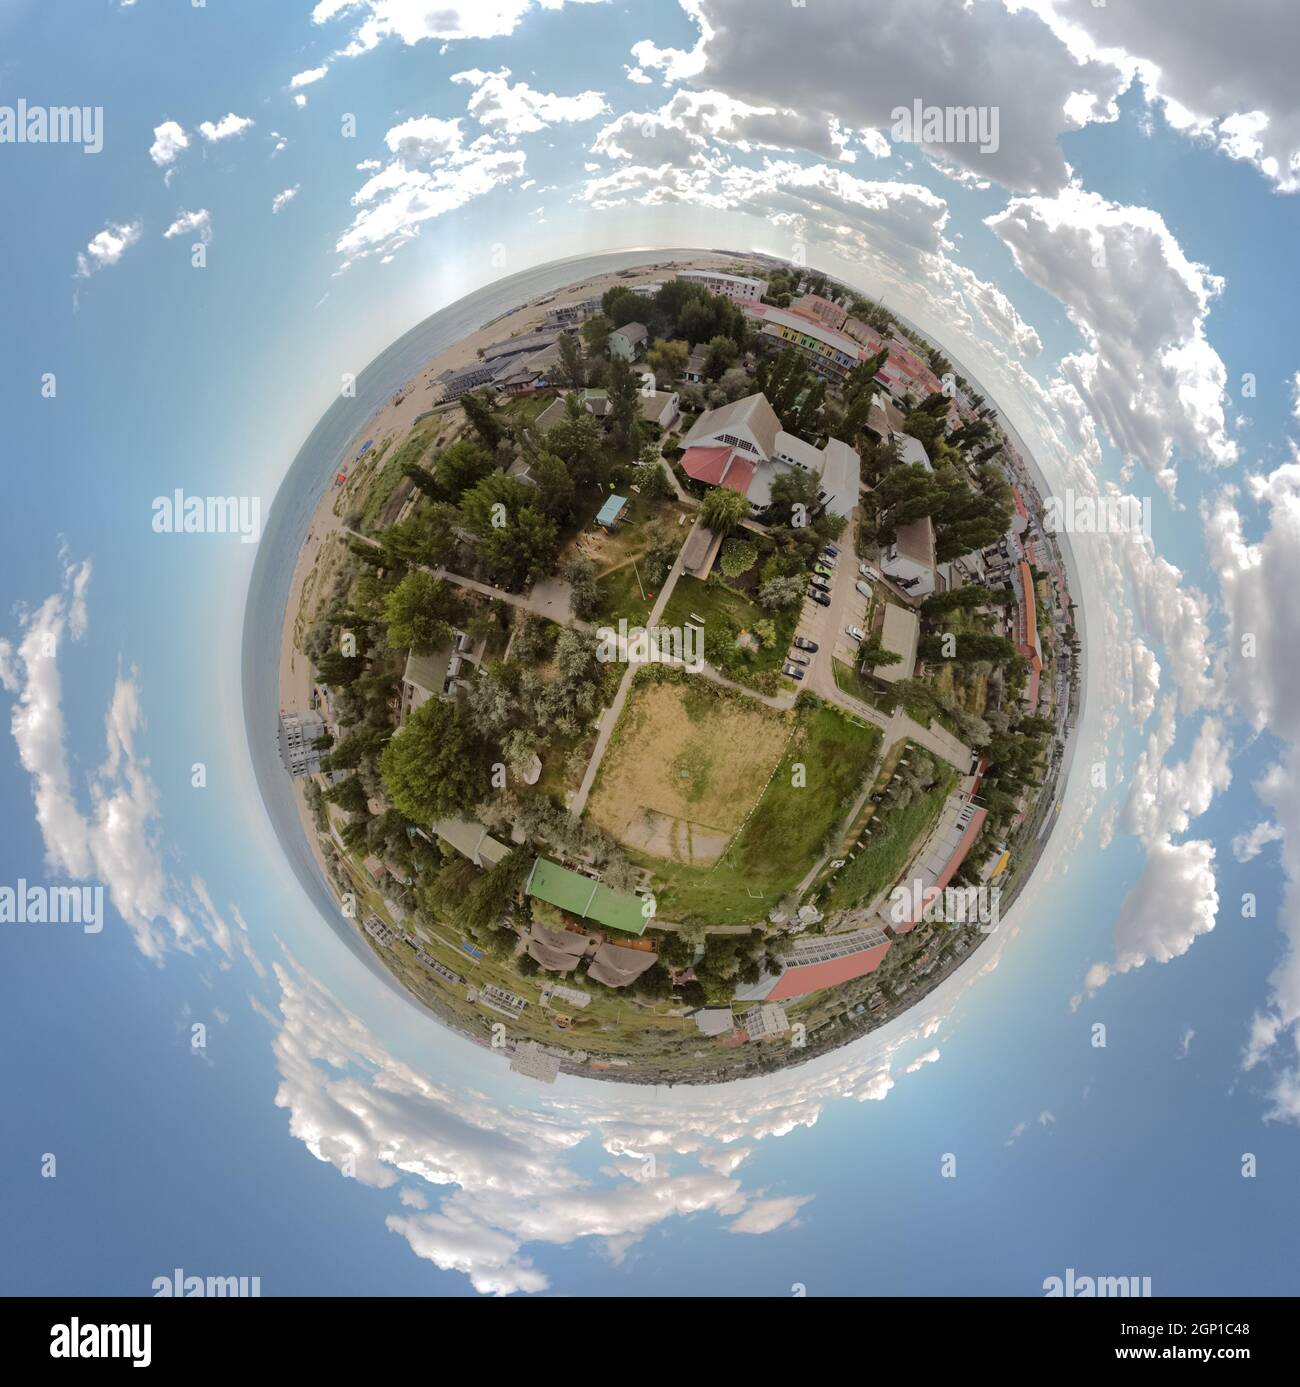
[
  {"x": 743, "y": 446},
  {"x": 909, "y": 561},
  {"x": 766, "y": 1020},
  {"x": 738, "y": 288},
  {"x": 297, "y": 741}
]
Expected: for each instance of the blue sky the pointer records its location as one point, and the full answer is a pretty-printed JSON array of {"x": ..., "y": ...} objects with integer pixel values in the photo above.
[{"x": 1122, "y": 1160}]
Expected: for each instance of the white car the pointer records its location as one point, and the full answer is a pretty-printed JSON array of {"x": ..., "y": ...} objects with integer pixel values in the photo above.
[
  {"x": 854, "y": 633},
  {"x": 863, "y": 588},
  {"x": 867, "y": 571}
]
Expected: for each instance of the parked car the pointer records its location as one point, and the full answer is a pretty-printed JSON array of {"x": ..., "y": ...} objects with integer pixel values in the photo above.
[
  {"x": 796, "y": 659},
  {"x": 819, "y": 583},
  {"x": 854, "y": 634},
  {"x": 827, "y": 557},
  {"x": 823, "y": 570},
  {"x": 794, "y": 672},
  {"x": 803, "y": 643},
  {"x": 833, "y": 550},
  {"x": 819, "y": 597},
  {"x": 863, "y": 588},
  {"x": 867, "y": 571}
]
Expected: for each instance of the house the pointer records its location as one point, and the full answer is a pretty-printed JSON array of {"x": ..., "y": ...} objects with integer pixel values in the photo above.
[
  {"x": 471, "y": 840},
  {"x": 820, "y": 310},
  {"x": 380, "y": 932},
  {"x": 629, "y": 341},
  {"x": 900, "y": 633},
  {"x": 823, "y": 960},
  {"x": 660, "y": 408},
  {"x": 298, "y": 735},
  {"x": 550, "y": 416},
  {"x": 714, "y": 1021},
  {"x": 498, "y": 999},
  {"x": 743, "y": 446},
  {"x": 596, "y": 402},
  {"x": 909, "y": 561},
  {"x": 945, "y": 850},
  {"x": 829, "y": 353},
  {"x": 610, "y": 511},
  {"x": 617, "y": 965},
  {"x": 588, "y": 900},
  {"x": 557, "y": 950},
  {"x": 737, "y": 288},
  {"x": 864, "y": 334},
  {"x": 911, "y": 451},
  {"x": 457, "y": 383},
  {"x": 694, "y": 372},
  {"x": 766, "y": 1020},
  {"x": 439, "y": 674},
  {"x": 1027, "y": 642}
]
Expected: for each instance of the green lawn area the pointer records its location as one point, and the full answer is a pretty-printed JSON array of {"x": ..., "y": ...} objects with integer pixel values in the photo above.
[
  {"x": 380, "y": 488},
  {"x": 726, "y": 613},
  {"x": 888, "y": 850},
  {"x": 850, "y": 679},
  {"x": 783, "y": 837},
  {"x": 621, "y": 597}
]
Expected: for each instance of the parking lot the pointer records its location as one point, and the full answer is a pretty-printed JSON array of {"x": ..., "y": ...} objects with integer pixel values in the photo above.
[{"x": 826, "y": 625}]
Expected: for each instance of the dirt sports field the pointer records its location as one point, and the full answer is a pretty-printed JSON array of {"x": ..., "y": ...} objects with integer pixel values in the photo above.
[{"x": 685, "y": 770}]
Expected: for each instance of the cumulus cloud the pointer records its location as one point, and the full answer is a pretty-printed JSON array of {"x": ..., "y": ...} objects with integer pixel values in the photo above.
[
  {"x": 198, "y": 223},
  {"x": 283, "y": 199},
  {"x": 515, "y": 109},
  {"x": 226, "y": 128},
  {"x": 1041, "y": 90},
  {"x": 767, "y": 1215},
  {"x": 432, "y": 173},
  {"x": 1248, "y": 846},
  {"x": 169, "y": 142},
  {"x": 1163, "y": 799},
  {"x": 114, "y": 839},
  {"x": 1209, "y": 71},
  {"x": 413, "y": 21},
  {"x": 1175, "y": 900},
  {"x": 107, "y": 247},
  {"x": 1147, "y": 372}
]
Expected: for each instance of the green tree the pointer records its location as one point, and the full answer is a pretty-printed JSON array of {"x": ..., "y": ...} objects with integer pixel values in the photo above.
[
  {"x": 419, "y": 612},
  {"x": 435, "y": 765},
  {"x": 572, "y": 370},
  {"x": 623, "y": 388},
  {"x": 723, "y": 510},
  {"x": 457, "y": 468},
  {"x": 722, "y": 353},
  {"x": 482, "y": 415},
  {"x": 738, "y": 556},
  {"x": 555, "y": 488},
  {"x": 521, "y": 552}
]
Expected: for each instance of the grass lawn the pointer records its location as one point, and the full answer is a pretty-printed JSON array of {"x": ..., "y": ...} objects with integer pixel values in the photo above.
[
  {"x": 784, "y": 835},
  {"x": 621, "y": 596},
  {"x": 850, "y": 679},
  {"x": 889, "y": 849},
  {"x": 727, "y": 612}
]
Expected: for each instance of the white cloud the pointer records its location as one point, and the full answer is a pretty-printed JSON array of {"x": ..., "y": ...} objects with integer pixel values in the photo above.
[
  {"x": 1147, "y": 372},
  {"x": 516, "y": 109},
  {"x": 1248, "y": 846},
  {"x": 1174, "y": 901},
  {"x": 197, "y": 223},
  {"x": 423, "y": 139},
  {"x": 284, "y": 198},
  {"x": 927, "y": 1057},
  {"x": 107, "y": 247},
  {"x": 767, "y": 1215},
  {"x": 413, "y": 21},
  {"x": 1164, "y": 799},
  {"x": 1213, "y": 75},
  {"x": 634, "y": 74},
  {"x": 115, "y": 839},
  {"x": 169, "y": 140},
  {"x": 306, "y": 78},
  {"x": 225, "y": 128}
]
